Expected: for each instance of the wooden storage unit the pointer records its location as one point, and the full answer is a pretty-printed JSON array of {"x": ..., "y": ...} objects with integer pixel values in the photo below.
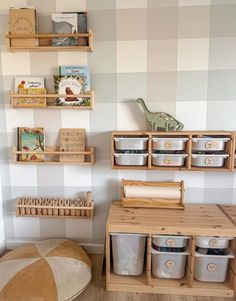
[
  {"x": 45, "y": 42},
  {"x": 52, "y": 156},
  {"x": 229, "y": 149},
  {"x": 50, "y": 101},
  {"x": 195, "y": 220}
]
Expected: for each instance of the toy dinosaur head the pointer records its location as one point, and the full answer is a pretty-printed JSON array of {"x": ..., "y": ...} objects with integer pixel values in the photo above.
[{"x": 139, "y": 100}]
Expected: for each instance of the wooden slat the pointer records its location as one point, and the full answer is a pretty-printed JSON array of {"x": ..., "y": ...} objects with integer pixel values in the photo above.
[
  {"x": 45, "y": 42},
  {"x": 48, "y": 35},
  {"x": 190, "y": 262},
  {"x": 149, "y": 260},
  {"x": 53, "y": 152}
]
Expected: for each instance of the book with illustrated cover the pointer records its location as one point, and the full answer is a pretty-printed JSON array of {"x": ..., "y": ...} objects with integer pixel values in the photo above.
[
  {"x": 28, "y": 82},
  {"x": 70, "y": 85},
  {"x": 77, "y": 70},
  {"x": 29, "y": 102},
  {"x": 64, "y": 23},
  {"x": 82, "y": 26},
  {"x": 31, "y": 139}
]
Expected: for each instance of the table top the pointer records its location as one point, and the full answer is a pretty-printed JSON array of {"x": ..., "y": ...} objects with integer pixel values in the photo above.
[
  {"x": 195, "y": 219},
  {"x": 230, "y": 211}
]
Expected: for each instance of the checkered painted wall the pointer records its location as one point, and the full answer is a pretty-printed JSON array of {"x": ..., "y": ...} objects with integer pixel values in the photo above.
[{"x": 178, "y": 55}]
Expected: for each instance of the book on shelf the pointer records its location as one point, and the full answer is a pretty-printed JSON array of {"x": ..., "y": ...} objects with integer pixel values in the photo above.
[
  {"x": 29, "y": 102},
  {"x": 22, "y": 20},
  {"x": 72, "y": 140},
  {"x": 77, "y": 70},
  {"x": 70, "y": 85},
  {"x": 82, "y": 27},
  {"x": 31, "y": 139},
  {"x": 28, "y": 82},
  {"x": 64, "y": 23}
]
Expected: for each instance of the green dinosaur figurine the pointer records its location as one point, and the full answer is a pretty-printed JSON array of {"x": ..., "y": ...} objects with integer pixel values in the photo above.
[{"x": 160, "y": 121}]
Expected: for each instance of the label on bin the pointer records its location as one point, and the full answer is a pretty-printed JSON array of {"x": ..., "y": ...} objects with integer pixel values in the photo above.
[
  {"x": 168, "y": 144},
  {"x": 170, "y": 264},
  {"x": 168, "y": 160},
  {"x": 210, "y": 144},
  {"x": 213, "y": 243},
  {"x": 170, "y": 242},
  {"x": 211, "y": 267},
  {"x": 208, "y": 161}
]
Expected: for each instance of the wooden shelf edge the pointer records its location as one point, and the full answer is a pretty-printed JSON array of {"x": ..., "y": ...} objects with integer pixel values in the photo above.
[
  {"x": 52, "y": 151},
  {"x": 14, "y": 95},
  {"x": 42, "y": 36},
  {"x": 55, "y": 216},
  {"x": 139, "y": 288}
]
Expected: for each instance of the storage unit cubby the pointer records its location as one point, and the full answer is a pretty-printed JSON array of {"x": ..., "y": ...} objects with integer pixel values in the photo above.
[
  {"x": 185, "y": 150},
  {"x": 195, "y": 221}
]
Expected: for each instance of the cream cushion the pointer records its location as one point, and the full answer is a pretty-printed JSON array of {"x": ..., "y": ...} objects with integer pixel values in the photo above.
[{"x": 51, "y": 270}]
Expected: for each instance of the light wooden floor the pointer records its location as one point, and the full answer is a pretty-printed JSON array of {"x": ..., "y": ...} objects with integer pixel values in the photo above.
[{"x": 96, "y": 290}]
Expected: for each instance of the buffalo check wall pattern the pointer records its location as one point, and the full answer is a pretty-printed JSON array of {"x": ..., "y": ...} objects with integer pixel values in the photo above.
[{"x": 178, "y": 55}]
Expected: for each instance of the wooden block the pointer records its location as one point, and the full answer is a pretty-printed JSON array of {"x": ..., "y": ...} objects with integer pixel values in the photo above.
[
  {"x": 22, "y": 21},
  {"x": 72, "y": 140}
]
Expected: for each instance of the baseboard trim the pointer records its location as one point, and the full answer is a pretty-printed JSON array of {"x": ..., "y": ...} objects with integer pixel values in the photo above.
[
  {"x": 2, "y": 246},
  {"x": 90, "y": 248}
]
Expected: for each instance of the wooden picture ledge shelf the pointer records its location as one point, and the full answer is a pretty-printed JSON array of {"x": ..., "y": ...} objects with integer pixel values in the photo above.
[
  {"x": 195, "y": 220},
  {"x": 51, "y": 101},
  {"x": 52, "y": 156},
  {"x": 45, "y": 42}
]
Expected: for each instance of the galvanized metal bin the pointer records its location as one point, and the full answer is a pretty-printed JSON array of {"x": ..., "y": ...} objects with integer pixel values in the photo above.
[
  {"x": 128, "y": 253},
  {"x": 169, "y": 143},
  {"x": 209, "y": 143},
  {"x": 206, "y": 160},
  {"x": 170, "y": 241},
  {"x": 211, "y": 268},
  {"x": 131, "y": 159},
  {"x": 168, "y": 264},
  {"x": 130, "y": 143},
  {"x": 213, "y": 242},
  {"x": 169, "y": 159}
]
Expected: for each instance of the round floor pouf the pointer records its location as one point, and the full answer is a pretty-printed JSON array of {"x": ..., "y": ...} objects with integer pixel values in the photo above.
[{"x": 51, "y": 270}]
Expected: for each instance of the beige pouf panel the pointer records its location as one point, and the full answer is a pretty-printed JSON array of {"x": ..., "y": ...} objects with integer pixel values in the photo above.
[{"x": 51, "y": 270}]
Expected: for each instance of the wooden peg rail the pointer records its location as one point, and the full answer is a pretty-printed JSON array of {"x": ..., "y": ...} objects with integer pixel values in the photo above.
[
  {"x": 56, "y": 207},
  {"x": 44, "y": 42}
]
